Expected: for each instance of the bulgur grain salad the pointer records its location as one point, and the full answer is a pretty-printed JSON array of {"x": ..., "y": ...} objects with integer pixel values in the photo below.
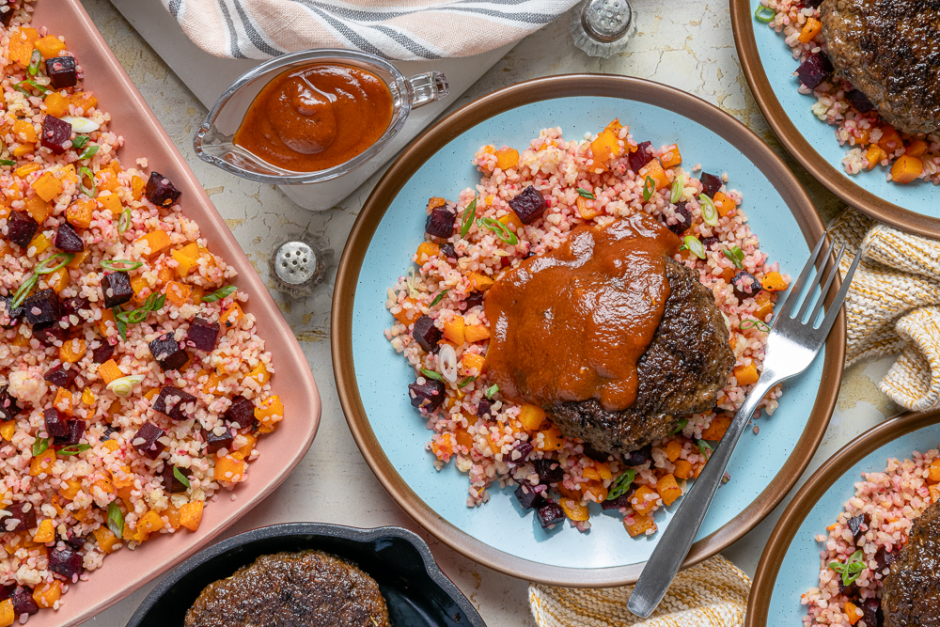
[
  {"x": 133, "y": 387},
  {"x": 441, "y": 327}
]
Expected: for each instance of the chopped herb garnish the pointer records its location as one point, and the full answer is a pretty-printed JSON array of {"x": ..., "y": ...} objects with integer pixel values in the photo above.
[
  {"x": 464, "y": 383},
  {"x": 649, "y": 186},
  {"x": 500, "y": 229},
  {"x": 736, "y": 255},
  {"x": 709, "y": 213},
  {"x": 123, "y": 318},
  {"x": 181, "y": 477},
  {"x": 704, "y": 448},
  {"x": 765, "y": 14},
  {"x": 439, "y": 298},
  {"x": 7, "y": 162},
  {"x": 89, "y": 152},
  {"x": 682, "y": 423},
  {"x": 23, "y": 291},
  {"x": 621, "y": 485},
  {"x": 73, "y": 449},
  {"x": 430, "y": 374},
  {"x": 469, "y": 214},
  {"x": 121, "y": 264},
  {"x": 43, "y": 268},
  {"x": 852, "y": 568},
  {"x": 693, "y": 245},
  {"x": 583, "y": 193},
  {"x": 219, "y": 294},
  {"x": 19, "y": 87},
  {"x": 79, "y": 142},
  {"x": 491, "y": 391},
  {"x": 34, "y": 62},
  {"x": 115, "y": 520},
  {"x": 751, "y": 323},
  {"x": 82, "y": 173},
  {"x": 120, "y": 322},
  {"x": 40, "y": 446}
]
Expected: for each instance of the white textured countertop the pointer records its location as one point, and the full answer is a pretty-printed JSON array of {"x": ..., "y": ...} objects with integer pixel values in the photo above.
[{"x": 686, "y": 44}]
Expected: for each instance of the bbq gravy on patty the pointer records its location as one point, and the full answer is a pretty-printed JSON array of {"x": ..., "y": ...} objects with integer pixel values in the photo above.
[
  {"x": 610, "y": 335},
  {"x": 304, "y": 589}
]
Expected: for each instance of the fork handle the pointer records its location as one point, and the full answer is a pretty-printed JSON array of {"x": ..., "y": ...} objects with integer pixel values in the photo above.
[{"x": 676, "y": 540}]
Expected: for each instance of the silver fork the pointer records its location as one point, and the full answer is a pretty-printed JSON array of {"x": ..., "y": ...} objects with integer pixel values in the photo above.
[{"x": 792, "y": 345}]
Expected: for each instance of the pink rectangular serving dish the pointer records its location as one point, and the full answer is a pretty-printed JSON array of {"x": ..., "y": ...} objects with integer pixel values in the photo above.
[{"x": 126, "y": 570}]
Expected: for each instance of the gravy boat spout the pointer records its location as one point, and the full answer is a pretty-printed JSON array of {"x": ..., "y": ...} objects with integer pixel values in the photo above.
[{"x": 214, "y": 143}]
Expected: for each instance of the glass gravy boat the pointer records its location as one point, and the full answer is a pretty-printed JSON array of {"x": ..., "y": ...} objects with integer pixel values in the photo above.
[{"x": 213, "y": 141}]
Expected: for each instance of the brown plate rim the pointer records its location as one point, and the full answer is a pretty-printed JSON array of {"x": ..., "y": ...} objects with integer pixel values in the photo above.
[
  {"x": 787, "y": 133},
  {"x": 423, "y": 149},
  {"x": 812, "y": 491}
]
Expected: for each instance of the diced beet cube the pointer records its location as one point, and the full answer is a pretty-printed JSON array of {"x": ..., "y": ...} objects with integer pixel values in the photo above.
[
  {"x": 484, "y": 407},
  {"x": 116, "y": 287},
  {"x": 22, "y": 517},
  {"x": 21, "y": 228},
  {"x": 523, "y": 448},
  {"x": 66, "y": 562},
  {"x": 166, "y": 350},
  {"x": 8, "y": 407},
  {"x": 75, "y": 434},
  {"x": 215, "y": 441},
  {"x": 884, "y": 559},
  {"x": 428, "y": 395},
  {"x": 202, "y": 334},
  {"x": 812, "y": 3},
  {"x": 42, "y": 307},
  {"x": 440, "y": 222},
  {"x": 4, "y": 593},
  {"x": 74, "y": 306},
  {"x": 621, "y": 501},
  {"x": 684, "y": 217},
  {"x": 596, "y": 455},
  {"x": 175, "y": 403},
  {"x": 528, "y": 498},
  {"x": 708, "y": 242},
  {"x": 872, "y": 613},
  {"x": 60, "y": 377},
  {"x": 745, "y": 285},
  {"x": 639, "y": 456},
  {"x": 814, "y": 70},
  {"x": 170, "y": 483},
  {"x": 549, "y": 514},
  {"x": 57, "y": 425},
  {"x": 6, "y": 11},
  {"x": 426, "y": 334},
  {"x": 50, "y": 333},
  {"x": 856, "y": 523},
  {"x": 56, "y": 134},
  {"x": 850, "y": 591},
  {"x": 68, "y": 240},
  {"x": 860, "y": 101},
  {"x": 160, "y": 191},
  {"x": 102, "y": 352},
  {"x": 75, "y": 541},
  {"x": 9, "y": 317},
  {"x": 640, "y": 157},
  {"x": 475, "y": 300},
  {"x": 710, "y": 184},
  {"x": 529, "y": 205},
  {"x": 448, "y": 252},
  {"x": 241, "y": 412},
  {"x": 108, "y": 432},
  {"x": 145, "y": 440},
  {"x": 23, "y": 602},
  {"x": 62, "y": 72},
  {"x": 549, "y": 471}
]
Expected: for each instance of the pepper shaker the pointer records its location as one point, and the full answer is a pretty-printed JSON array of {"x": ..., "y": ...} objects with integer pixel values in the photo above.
[
  {"x": 603, "y": 28},
  {"x": 299, "y": 263}
]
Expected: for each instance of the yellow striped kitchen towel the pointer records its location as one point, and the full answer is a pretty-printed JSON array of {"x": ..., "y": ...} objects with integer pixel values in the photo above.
[{"x": 710, "y": 594}]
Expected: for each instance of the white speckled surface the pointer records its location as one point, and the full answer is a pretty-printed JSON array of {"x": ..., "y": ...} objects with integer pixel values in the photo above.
[{"x": 684, "y": 43}]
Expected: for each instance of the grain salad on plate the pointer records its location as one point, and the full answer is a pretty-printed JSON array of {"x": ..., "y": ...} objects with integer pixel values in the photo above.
[
  {"x": 528, "y": 205},
  {"x": 133, "y": 386}
]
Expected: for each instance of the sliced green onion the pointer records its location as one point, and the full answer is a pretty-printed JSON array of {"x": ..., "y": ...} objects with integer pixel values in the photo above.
[
  {"x": 583, "y": 193},
  {"x": 158, "y": 302},
  {"x": 73, "y": 449},
  {"x": 20, "y": 295},
  {"x": 704, "y": 448},
  {"x": 118, "y": 265},
  {"x": 693, "y": 245},
  {"x": 22, "y": 91},
  {"x": 7, "y": 162},
  {"x": 464, "y": 383},
  {"x": 709, "y": 213},
  {"x": 469, "y": 214},
  {"x": 119, "y": 321},
  {"x": 491, "y": 391},
  {"x": 181, "y": 477},
  {"x": 682, "y": 423},
  {"x": 122, "y": 387},
  {"x": 751, "y": 323},
  {"x": 31, "y": 83},
  {"x": 678, "y": 184},
  {"x": 649, "y": 186},
  {"x": 852, "y": 568},
  {"x": 736, "y": 255},
  {"x": 124, "y": 222},
  {"x": 40, "y": 446},
  {"x": 439, "y": 298},
  {"x": 82, "y": 173},
  {"x": 430, "y": 374},
  {"x": 80, "y": 124},
  {"x": 115, "y": 520},
  {"x": 43, "y": 268},
  {"x": 765, "y": 14},
  {"x": 90, "y": 152},
  {"x": 219, "y": 294},
  {"x": 621, "y": 485},
  {"x": 79, "y": 142},
  {"x": 500, "y": 229},
  {"x": 34, "y": 62}
]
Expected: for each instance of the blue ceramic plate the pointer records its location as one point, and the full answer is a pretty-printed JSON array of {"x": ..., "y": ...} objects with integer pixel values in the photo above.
[
  {"x": 769, "y": 67},
  {"x": 790, "y": 563},
  {"x": 372, "y": 379}
]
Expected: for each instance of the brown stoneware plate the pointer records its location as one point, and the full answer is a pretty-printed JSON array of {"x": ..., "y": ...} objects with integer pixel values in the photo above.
[
  {"x": 372, "y": 378},
  {"x": 125, "y": 570},
  {"x": 769, "y": 67},
  {"x": 789, "y": 565}
]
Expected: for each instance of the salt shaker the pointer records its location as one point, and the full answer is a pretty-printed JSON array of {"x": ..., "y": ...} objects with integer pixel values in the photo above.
[
  {"x": 602, "y": 28},
  {"x": 299, "y": 263}
]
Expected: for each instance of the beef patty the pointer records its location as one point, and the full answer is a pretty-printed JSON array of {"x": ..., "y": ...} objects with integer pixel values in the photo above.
[
  {"x": 890, "y": 51},
  {"x": 911, "y": 593},
  {"x": 306, "y": 589},
  {"x": 688, "y": 361}
]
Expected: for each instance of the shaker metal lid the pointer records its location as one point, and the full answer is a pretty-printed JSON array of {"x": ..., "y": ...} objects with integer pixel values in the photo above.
[
  {"x": 296, "y": 264},
  {"x": 606, "y": 20}
]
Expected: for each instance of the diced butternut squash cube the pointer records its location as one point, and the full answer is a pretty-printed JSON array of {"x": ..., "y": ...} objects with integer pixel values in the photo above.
[
  {"x": 471, "y": 363},
  {"x": 551, "y": 439},
  {"x": 747, "y": 374},
  {"x": 724, "y": 205},
  {"x": 640, "y": 525},
  {"x": 63, "y": 401},
  {"x": 85, "y": 100},
  {"x": 229, "y": 469},
  {"x": 716, "y": 429},
  {"x": 427, "y": 251},
  {"x": 853, "y": 612},
  {"x": 25, "y": 131},
  {"x": 409, "y": 312},
  {"x": 765, "y": 306},
  {"x": 78, "y": 260},
  {"x": 23, "y": 149},
  {"x": 45, "y": 532},
  {"x": 46, "y": 595},
  {"x": 654, "y": 170},
  {"x": 507, "y": 158},
  {"x": 512, "y": 220},
  {"x": 232, "y": 316},
  {"x": 259, "y": 374},
  {"x": 7, "y": 615},
  {"x": 810, "y": 30},
  {"x": 79, "y": 213},
  {"x": 138, "y": 185},
  {"x": 57, "y": 280},
  {"x": 933, "y": 474},
  {"x": 22, "y": 43},
  {"x": 109, "y": 371},
  {"x": 586, "y": 210},
  {"x": 673, "y": 450},
  {"x": 112, "y": 202},
  {"x": 49, "y": 46},
  {"x": 683, "y": 469},
  {"x": 603, "y": 470},
  {"x": 774, "y": 282},
  {"x": 476, "y": 333},
  {"x": 106, "y": 539},
  {"x": 668, "y": 489},
  {"x": 173, "y": 516},
  {"x": 7, "y": 429},
  {"x": 906, "y": 169},
  {"x": 38, "y": 209},
  {"x": 38, "y": 245},
  {"x": 269, "y": 413},
  {"x": 157, "y": 241},
  {"x": 57, "y": 105},
  {"x": 575, "y": 510},
  {"x": 70, "y": 488},
  {"x": 28, "y": 168},
  {"x": 671, "y": 156},
  {"x": 916, "y": 148},
  {"x": 150, "y": 522},
  {"x": 644, "y": 500},
  {"x": 178, "y": 293},
  {"x": 455, "y": 330},
  {"x": 890, "y": 139},
  {"x": 123, "y": 478},
  {"x": 480, "y": 281},
  {"x": 88, "y": 397},
  {"x": 72, "y": 350},
  {"x": 531, "y": 416},
  {"x": 875, "y": 155},
  {"x": 606, "y": 145}
]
